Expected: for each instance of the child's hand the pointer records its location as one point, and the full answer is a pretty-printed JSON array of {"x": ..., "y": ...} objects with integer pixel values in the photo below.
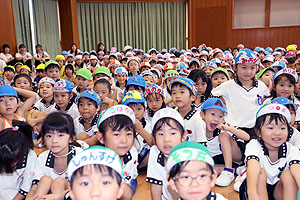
[
  {"x": 50, "y": 197},
  {"x": 106, "y": 100},
  {"x": 32, "y": 122},
  {"x": 138, "y": 126},
  {"x": 270, "y": 85},
  {"x": 223, "y": 127}
]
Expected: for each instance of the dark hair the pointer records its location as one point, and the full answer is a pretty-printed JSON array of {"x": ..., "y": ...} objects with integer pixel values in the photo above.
[
  {"x": 39, "y": 70},
  {"x": 76, "y": 51},
  {"x": 38, "y": 45},
  {"x": 136, "y": 87},
  {"x": 167, "y": 121},
  {"x": 181, "y": 85},
  {"x": 220, "y": 72},
  {"x": 116, "y": 123},
  {"x": 137, "y": 104},
  {"x": 101, "y": 168},
  {"x": 60, "y": 122},
  {"x": 8, "y": 69},
  {"x": 103, "y": 81},
  {"x": 290, "y": 78},
  {"x": 291, "y": 60},
  {"x": 22, "y": 46},
  {"x": 51, "y": 66},
  {"x": 176, "y": 169},
  {"x": 156, "y": 96},
  {"x": 98, "y": 46},
  {"x": 14, "y": 145},
  {"x": 70, "y": 66},
  {"x": 5, "y": 46},
  {"x": 22, "y": 76},
  {"x": 90, "y": 100},
  {"x": 194, "y": 63},
  {"x": 273, "y": 116},
  {"x": 196, "y": 75}
]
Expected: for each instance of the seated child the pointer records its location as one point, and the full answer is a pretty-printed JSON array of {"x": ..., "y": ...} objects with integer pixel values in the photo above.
[
  {"x": 136, "y": 82},
  {"x": 208, "y": 67},
  {"x": 9, "y": 74},
  {"x": 17, "y": 67},
  {"x": 224, "y": 142},
  {"x": 170, "y": 76},
  {"x": 52, "y": 70},
  {"x": 168, "y": 130},
  {"x": 69, "y": 73},
  {"x": 25, "y": 70},
  {"x": 219, "y": 76},
  {"x": 117, "y": 131},
  {"x": 104, "y": 90},
  {"x": 86, "y": 124},
  {"x": 266, "y": 76},
  {"x": 121, "y": 75},
  {"x": 40, "y": 73},
  {"x": 82, "y": 80},
  {"x": 133, "y": 64},
  {"x": 45, "y": 92},
  {"x": 62, "y": 93},
  {"x": 149, "y": 77},
  {"x": 102, "y": 178},
  {"x": 184, "y": 92},
  {"x": 191, "y": 172},
  {"x": 102, "y": 72}
]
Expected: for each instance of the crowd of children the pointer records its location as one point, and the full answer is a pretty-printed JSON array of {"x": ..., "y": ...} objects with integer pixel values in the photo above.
[{"x": 189, "y": 119}]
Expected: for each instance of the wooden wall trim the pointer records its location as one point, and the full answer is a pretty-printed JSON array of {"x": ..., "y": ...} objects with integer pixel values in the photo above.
[
  {"x": 268, "y": 8},
  {"x": 129, "y": 1}
]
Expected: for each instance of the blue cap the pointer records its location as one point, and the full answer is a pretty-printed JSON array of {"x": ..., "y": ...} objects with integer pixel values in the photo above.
[
  {"x": 216, "y": 60},
  {"x": 2, "y": 82},
  {"x": 246, "y": 56},
  {"x": 284, "y": 101},
  {"x": 7, "y": 90},
  {"x": 182, "y": 65},
  {"x": 133, "y": 97},
  {"x": 90, "y": 95},
  {"x": 280, "y": 64},
  {"x": 136, "y": 80},
  {"x": 64, "y": 53},
  {"x": 214, "y": 103},
  {"x": 86, "y": 53},
  {"x": 189, "y": 83},
  {"x": 63, "y": 86}
]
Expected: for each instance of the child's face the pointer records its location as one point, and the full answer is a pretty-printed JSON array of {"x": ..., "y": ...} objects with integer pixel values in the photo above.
[
  {"x": 273, "y": 135},
  {"x": 69, "y": 72},
  {"x": 201, "y": 87},
  {"x": 78, "y": 61},
  {"x": 62, "y": 99},
  {"x": 168, "y": 137},
  {"x": 102, "y": 90},
  {"x": 217, "y": 79},
  {"x": 284, "y": 88},
  {"x": 154, "y": 101},
  {"x": 100, "y": 56},
  {"x": 87, "y": 108},
  {"x": 229, "y": 61},
  {"x": 195, "y": 181},
  {"x": 95, "y": 184},
  {"x": 9, "y": 75},
  {"x": 194, "y": 66},
  {"x": 267, "y": 64},
  {"x": 93, "y": 61},
  {"x": 40, "y": 74},
  {"x": 60, "y": 62},
  {"x": 297, "y": 87},
  {"x": 57, "y": 142},
  {"x": 145, "y": 68},
  {"x": 53, "y": 73},
  {"x": 18, "y": 68},
  {"x": 24, "y": 71},
  {"x": 267, "y": 77},
  {"x": 149, "y": 80},
  {"x": 119, "y": 141},
  {"x": 8, "y": 105},
  {"x": 297, "y": 67},
  {"x": 133, "y": 66},
  {"x": 82, "y": 83},
  {"x": 208, "y": 70},
  {"x": 121, "y": 78},
  {"x": 124, "y": 64},
  {"x": 138, "y": 110},
  {"x": 23, "y": 83},
  {"x": 293, "y": 116},
  {"x": 212, "y": 117},
  {"x": 86, "y": 57},
  {"x": 181, "y": 96},
  {"x": 70, "y": 59},
  {"x": 100, "y": 75},
  {"x": 46, "y": 90},
  {"x": 131, "y": 88},
  {"x": 246, "y": 72},
  {"x": 170, "y": 80}
]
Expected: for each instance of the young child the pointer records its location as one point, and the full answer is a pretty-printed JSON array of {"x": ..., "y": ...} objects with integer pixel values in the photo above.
[
  {"x": 25, "y": 70},
  {"x": 191, "y": 172},
  {"x": 117, "y": 131},
  {"x": 17, "y": 67},
  {"x": 208, "y": 67},
  {"x": 143, "y": 140},
  {"x": 93, "y": 63},
  {"x": 184, "y": 92},
  {"x": 86, "y": 124},
  {"x": 170, "y": 76},
  {"x": 224, "y": 142},
  {"x": 9, "y": 103},
  {"x": 9, "y": 74},
  {"x": 133, "y": 64},
  {"x": 272, "y": 163},
  {"x": 40, "y": 73},
  {"x": 102, "y": 178},
  {"x": 46, "y": 102},
  {"x": 266, "y": 76},
  {"x": 149, "y": 77},
  {"x": 155, "y": 100},
  {"x": 121, "y": 75},
  {"x": 219, "y": 76},
  {"x": 62, "y": 93},
  {"x": 52, "y": 70},
  {"x": 82, "y": 80},
  {"x": 103, "y": 88},
  {"x": 102, "y": 72},
  {"x": 203, "y": 85},
  {"x": 168, "y": 130},
  {"x": 243, "y": 95},
  {"x": 22, "y": 81},
  {"x": 51, "y": 170},
  {"x": 136, "y": 82},
  {"x": 17, "y": 161},
  {"x": 69, "y": 73}
]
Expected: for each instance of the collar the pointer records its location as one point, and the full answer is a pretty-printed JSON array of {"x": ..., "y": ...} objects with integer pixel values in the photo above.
[
  {"x": 150, "y": 112},
  {"x": 143, "y": 121},
  {"x": 93, "y": 122},
  {"x": 190, "y": 114},
  {"x": 297, "y": 95},
  {"x": 67, "y": 108},
  {"x": 281, "y": 151},
  {"x": 51, "y": 158},
  {"x": 254, "y": 84},
  {"x": 77, "y": 89},
  {"x": 161, "y": 159},
  {"x": 127, "y": 157},
  {"x": 43, "y": 101},
  {"x": 22, "y": 164},
  {"x": 216, "y": 132}
]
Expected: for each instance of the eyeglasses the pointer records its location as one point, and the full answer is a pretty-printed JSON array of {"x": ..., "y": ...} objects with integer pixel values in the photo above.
[{"x": 201, "y": 179}]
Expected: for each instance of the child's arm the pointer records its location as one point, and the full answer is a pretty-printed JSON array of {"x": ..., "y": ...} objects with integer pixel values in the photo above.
[
  {"x": 91, "y": 141},
  {"x": 127, "y": 195},
  {"x": 18, "y": 197},
  {"x": 156, "y": 191},
  {"x": 115, "y": 93},
  {"x": 34, "y": 116},
  {"x": 295, "y": 171},
  {"x": 238, "y": 132},
  {"x": 30, "y": 98},
  {"x": 167, "y": 101},
  {"x": 253, "y": 171},
  {"x": 139, "y": 129},
  {"x": 109, "y": 102}
]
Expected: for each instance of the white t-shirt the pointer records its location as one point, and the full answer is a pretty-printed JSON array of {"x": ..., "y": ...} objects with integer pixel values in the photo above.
[
  {"x": 294, "y": 137},
  {"x": 130, "y": 163},
  {"x": 139, "y": 142},
  {"x": 41, "y": 106},
  {"x": 79, "y": 126},
  {"x": 26, "y": 55},
  {"x": 241, "y": 103},
  {"x": 168, "y": 96},
  {"x": 287, "y": 156},
  {"x": 20, "y": 180},
  {"x": 43, "y": 54},
  {"x": 5, "y": 57},
  {"x": 71, "y": 109},
  {"x": 2, "y": 65}
]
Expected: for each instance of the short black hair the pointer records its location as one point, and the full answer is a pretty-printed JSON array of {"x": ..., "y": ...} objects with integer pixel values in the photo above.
[
  {"x": 51, "y": 66},
  {"x": 136, "y": 87},
  {"x": 22, "y": 76},
  {"x": 69, "y": 66},
  {"x": 90, "y": 100},
  {"x": 181, "y": 85},
  {"x": 39, "y": 70},
  {"x": 22, "y": 46},
  {"x": 103, "y": 81},
  {"x": 166, "y": 120},
  {"x": 5, "y": 46}
]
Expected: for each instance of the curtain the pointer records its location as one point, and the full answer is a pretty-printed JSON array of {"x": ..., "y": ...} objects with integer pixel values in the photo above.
[{"x": 141, "y": 25}]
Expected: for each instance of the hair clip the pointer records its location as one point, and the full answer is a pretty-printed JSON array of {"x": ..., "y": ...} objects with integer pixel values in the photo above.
[{"x": 15, "y": 128}]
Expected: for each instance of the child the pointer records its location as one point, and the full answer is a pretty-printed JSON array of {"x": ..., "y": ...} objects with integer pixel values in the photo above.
[
  {"x": 170, "y": 76},
  {"x": 219, "y": 76},
  {"x": 266, "y": 76},
  {"x": 208, "y": 67},
  {"x": 155, "y": 100},
  {"x": 203, "y": 85},
  {"x": 40, "y": 73},
  {"x": 133, "y": 64},
  {"x": 82, "y": 80},
  {"x": 62, "y": 93},
  {"x": 149, "y": 77},
  {"x": 143, "y": 140},
  {"x": 17, "y": 67},
  {"x": 224, "y": 142},
  {"x": 243, "y": 95},
  {"x": 69, "y": 73},
  {"x": 117, "y": 131},
  {"x": 136, "y": 82},
  {"x": 25, "y": 70},
  {"x": 52, "y": 70},
  {"x": 194, "y": 64},
  {"x": 191, "y": 172},
  {"x": 93, "y": 63},
  {"x": 102, "y": 178},
  {"x": 46, "y": 102},
  {"x": 51, "y": 170},
  {"x": 273, "y": 164},
  {"x": 168, "y": 130},
  {"x": 85, "y": 125},
  {"x": 22, "y": 81},
  {"x": 121, "y": 75},
  {"x": 9, "y": 74},
  {"x": 184, "y": 92},
  {"x": 17, "y": 161},
  {"x": 9, "y": 103}
]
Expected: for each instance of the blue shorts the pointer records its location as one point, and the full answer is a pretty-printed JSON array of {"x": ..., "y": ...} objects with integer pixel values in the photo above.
[{"x": 133, "y": 185}]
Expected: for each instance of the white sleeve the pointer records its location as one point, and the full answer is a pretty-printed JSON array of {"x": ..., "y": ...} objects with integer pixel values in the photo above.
[
  {"x": 77, "y": 127},
  {"x": 219, "y": 91},
  {"x": 152, "y": 170},
  {"x": 46, "y": 54},
  {"x": 200, "y": 130},
  {"x": 29, "y": 172},
  {"x": 40, "y": 167},
  {"x": 130, "y": 169},
  {"x": 264, "y": 90},
  {"x": 295, "y": 138},
  {"x": 251, "y": 151},
  {"x": 294, "y": 156}
]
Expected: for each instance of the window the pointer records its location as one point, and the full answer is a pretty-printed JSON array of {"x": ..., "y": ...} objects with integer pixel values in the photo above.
[{"x": 284, "y": 13}]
